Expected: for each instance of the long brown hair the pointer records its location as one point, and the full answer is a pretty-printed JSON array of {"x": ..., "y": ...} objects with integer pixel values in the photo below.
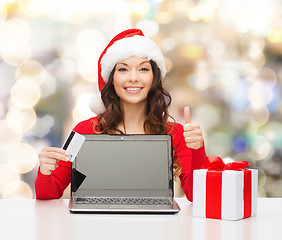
[{"x": 158, "y": 102}]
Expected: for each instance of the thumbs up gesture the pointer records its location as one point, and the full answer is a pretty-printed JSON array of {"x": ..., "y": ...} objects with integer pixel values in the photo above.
[{"x": 192, "y": 132}]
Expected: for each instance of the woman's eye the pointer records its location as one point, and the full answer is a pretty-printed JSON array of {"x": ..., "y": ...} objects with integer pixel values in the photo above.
[
  {"x": 144, "y": 69},
  {"x": 122, "y": 69}
]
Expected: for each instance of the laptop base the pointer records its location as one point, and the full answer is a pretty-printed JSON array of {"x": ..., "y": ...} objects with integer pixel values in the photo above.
[{"x": 136, "y": 209}]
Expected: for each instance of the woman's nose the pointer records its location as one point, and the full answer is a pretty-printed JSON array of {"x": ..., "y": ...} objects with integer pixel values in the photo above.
[{"x": 133, "y": 76}]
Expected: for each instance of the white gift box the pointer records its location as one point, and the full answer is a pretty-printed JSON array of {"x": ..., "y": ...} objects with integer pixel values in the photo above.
[{"x": 232, "y": 194}]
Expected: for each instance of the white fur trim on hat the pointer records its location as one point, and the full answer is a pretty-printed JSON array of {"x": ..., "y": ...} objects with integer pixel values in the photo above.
[
  {"x": 138, "y": 46},
  {"x": 96, "y": 104}
]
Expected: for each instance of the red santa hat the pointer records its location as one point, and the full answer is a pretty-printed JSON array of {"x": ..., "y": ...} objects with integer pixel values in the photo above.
[{"x": 131, "y": 42}]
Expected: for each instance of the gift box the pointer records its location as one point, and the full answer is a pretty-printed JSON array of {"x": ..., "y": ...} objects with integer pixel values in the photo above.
[{"x": 225, "y": 191}]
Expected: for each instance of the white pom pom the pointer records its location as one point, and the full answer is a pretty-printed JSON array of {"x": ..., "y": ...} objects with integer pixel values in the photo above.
[{"x": 96, "y": 104}]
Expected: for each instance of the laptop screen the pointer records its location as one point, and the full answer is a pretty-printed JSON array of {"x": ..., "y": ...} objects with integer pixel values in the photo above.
[{"x": 125, "y": 162}]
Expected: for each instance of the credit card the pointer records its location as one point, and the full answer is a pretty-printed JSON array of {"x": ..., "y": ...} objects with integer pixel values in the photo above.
[{"x": 73, "y": 144}]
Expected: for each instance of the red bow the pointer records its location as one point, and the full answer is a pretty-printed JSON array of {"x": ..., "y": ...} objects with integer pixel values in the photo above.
[{"x": 216, "y": 163}]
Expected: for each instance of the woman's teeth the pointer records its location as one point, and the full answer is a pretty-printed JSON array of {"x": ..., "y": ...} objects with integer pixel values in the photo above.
[{"x": 133, "y": 89}]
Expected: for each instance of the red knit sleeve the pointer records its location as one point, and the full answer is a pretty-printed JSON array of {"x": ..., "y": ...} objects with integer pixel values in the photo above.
[
  {"x": 189, "y": 160},
  {"x": 52, "y": 186}
]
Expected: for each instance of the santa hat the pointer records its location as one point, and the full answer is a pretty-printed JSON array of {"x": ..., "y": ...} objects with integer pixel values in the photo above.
[{"x": 131, "y": 42}]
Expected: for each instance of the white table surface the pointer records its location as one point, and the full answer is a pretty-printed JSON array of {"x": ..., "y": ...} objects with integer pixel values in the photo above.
[{"x": 50, "y": 219}]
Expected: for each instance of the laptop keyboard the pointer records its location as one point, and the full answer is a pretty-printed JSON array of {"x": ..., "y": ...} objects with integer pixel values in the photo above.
[{"x": 122, "y": 201}]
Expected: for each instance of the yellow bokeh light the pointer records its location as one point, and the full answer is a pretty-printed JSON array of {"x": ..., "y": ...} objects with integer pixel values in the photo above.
[
  {"x": 14, "y": 30},
  {"x": 32, "y": 8},
  {"x": 25, "y": 93},
  {"x": 14, "y": 35},
  {"x": 98, "y": 7},
  {"x": 90, "y": 42},
  {"x": 77, "y": 115},
  {"x": 78, "y": 89},
  {"x": 3, "y": 13},
  {"x": 87, "y": 68},
  {"x": 168, "y": 64},
  {"x": 193, "y": 52},
  {"x": 194, "y": 14},
  {"x": 82, "y": 110},
  {"x": 275, "y": 36},
  {"x": 33, "y": 70},
  {"x": 259, "y": 115},
  {"x": 7, "y": 174},
  {"x": 82, "y": 104},
  {"x": 167, "y": 44},
  {"x": 21, "y": 120},
  {"x": 22, "y": 157},
  {"x": 11, "y": 187},
  {"x": 266, "y": 75},
  {"x": 8, "y": 137},
  {"x": 139, "y": 7},
  {"x": 78, "y": 18},
  {"x": 89, "y": 53},
  {"x": 203, "y": 10},
  {"x": 259, "y": 95},
  {"x": 17, "y": 190},
  {"x": 16, "y": 54},
  {"x": 164, "y": 17},
  {"x": 149, "y": 27},
  {"x": 260, "y": 61},
  {"x": 74, "y": 13}
]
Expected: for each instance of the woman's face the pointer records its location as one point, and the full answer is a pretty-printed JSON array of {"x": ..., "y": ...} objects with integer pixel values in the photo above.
[{"x": 132, "y": 80}]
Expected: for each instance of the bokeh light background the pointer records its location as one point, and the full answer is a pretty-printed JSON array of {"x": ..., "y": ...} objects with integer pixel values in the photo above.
[{"x": 223, "y": 59}]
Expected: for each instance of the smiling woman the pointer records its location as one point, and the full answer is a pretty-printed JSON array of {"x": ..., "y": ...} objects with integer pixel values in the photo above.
[
  {"x": 130, "y": 74},
  {"x": 137, "y": 98}
]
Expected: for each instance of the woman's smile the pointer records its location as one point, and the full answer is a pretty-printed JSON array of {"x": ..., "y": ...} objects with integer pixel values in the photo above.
[{"x": 133, "y": 90}]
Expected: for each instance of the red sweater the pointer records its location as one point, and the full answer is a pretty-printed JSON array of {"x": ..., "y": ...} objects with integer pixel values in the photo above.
[{"x": 52, "y": 186}]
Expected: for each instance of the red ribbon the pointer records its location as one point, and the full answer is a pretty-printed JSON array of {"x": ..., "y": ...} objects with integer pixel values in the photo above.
[{"x": 215, "y": 167}]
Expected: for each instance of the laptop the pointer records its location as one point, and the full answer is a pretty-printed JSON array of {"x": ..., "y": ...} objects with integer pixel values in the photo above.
[{"x": 123, "y": 174}]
